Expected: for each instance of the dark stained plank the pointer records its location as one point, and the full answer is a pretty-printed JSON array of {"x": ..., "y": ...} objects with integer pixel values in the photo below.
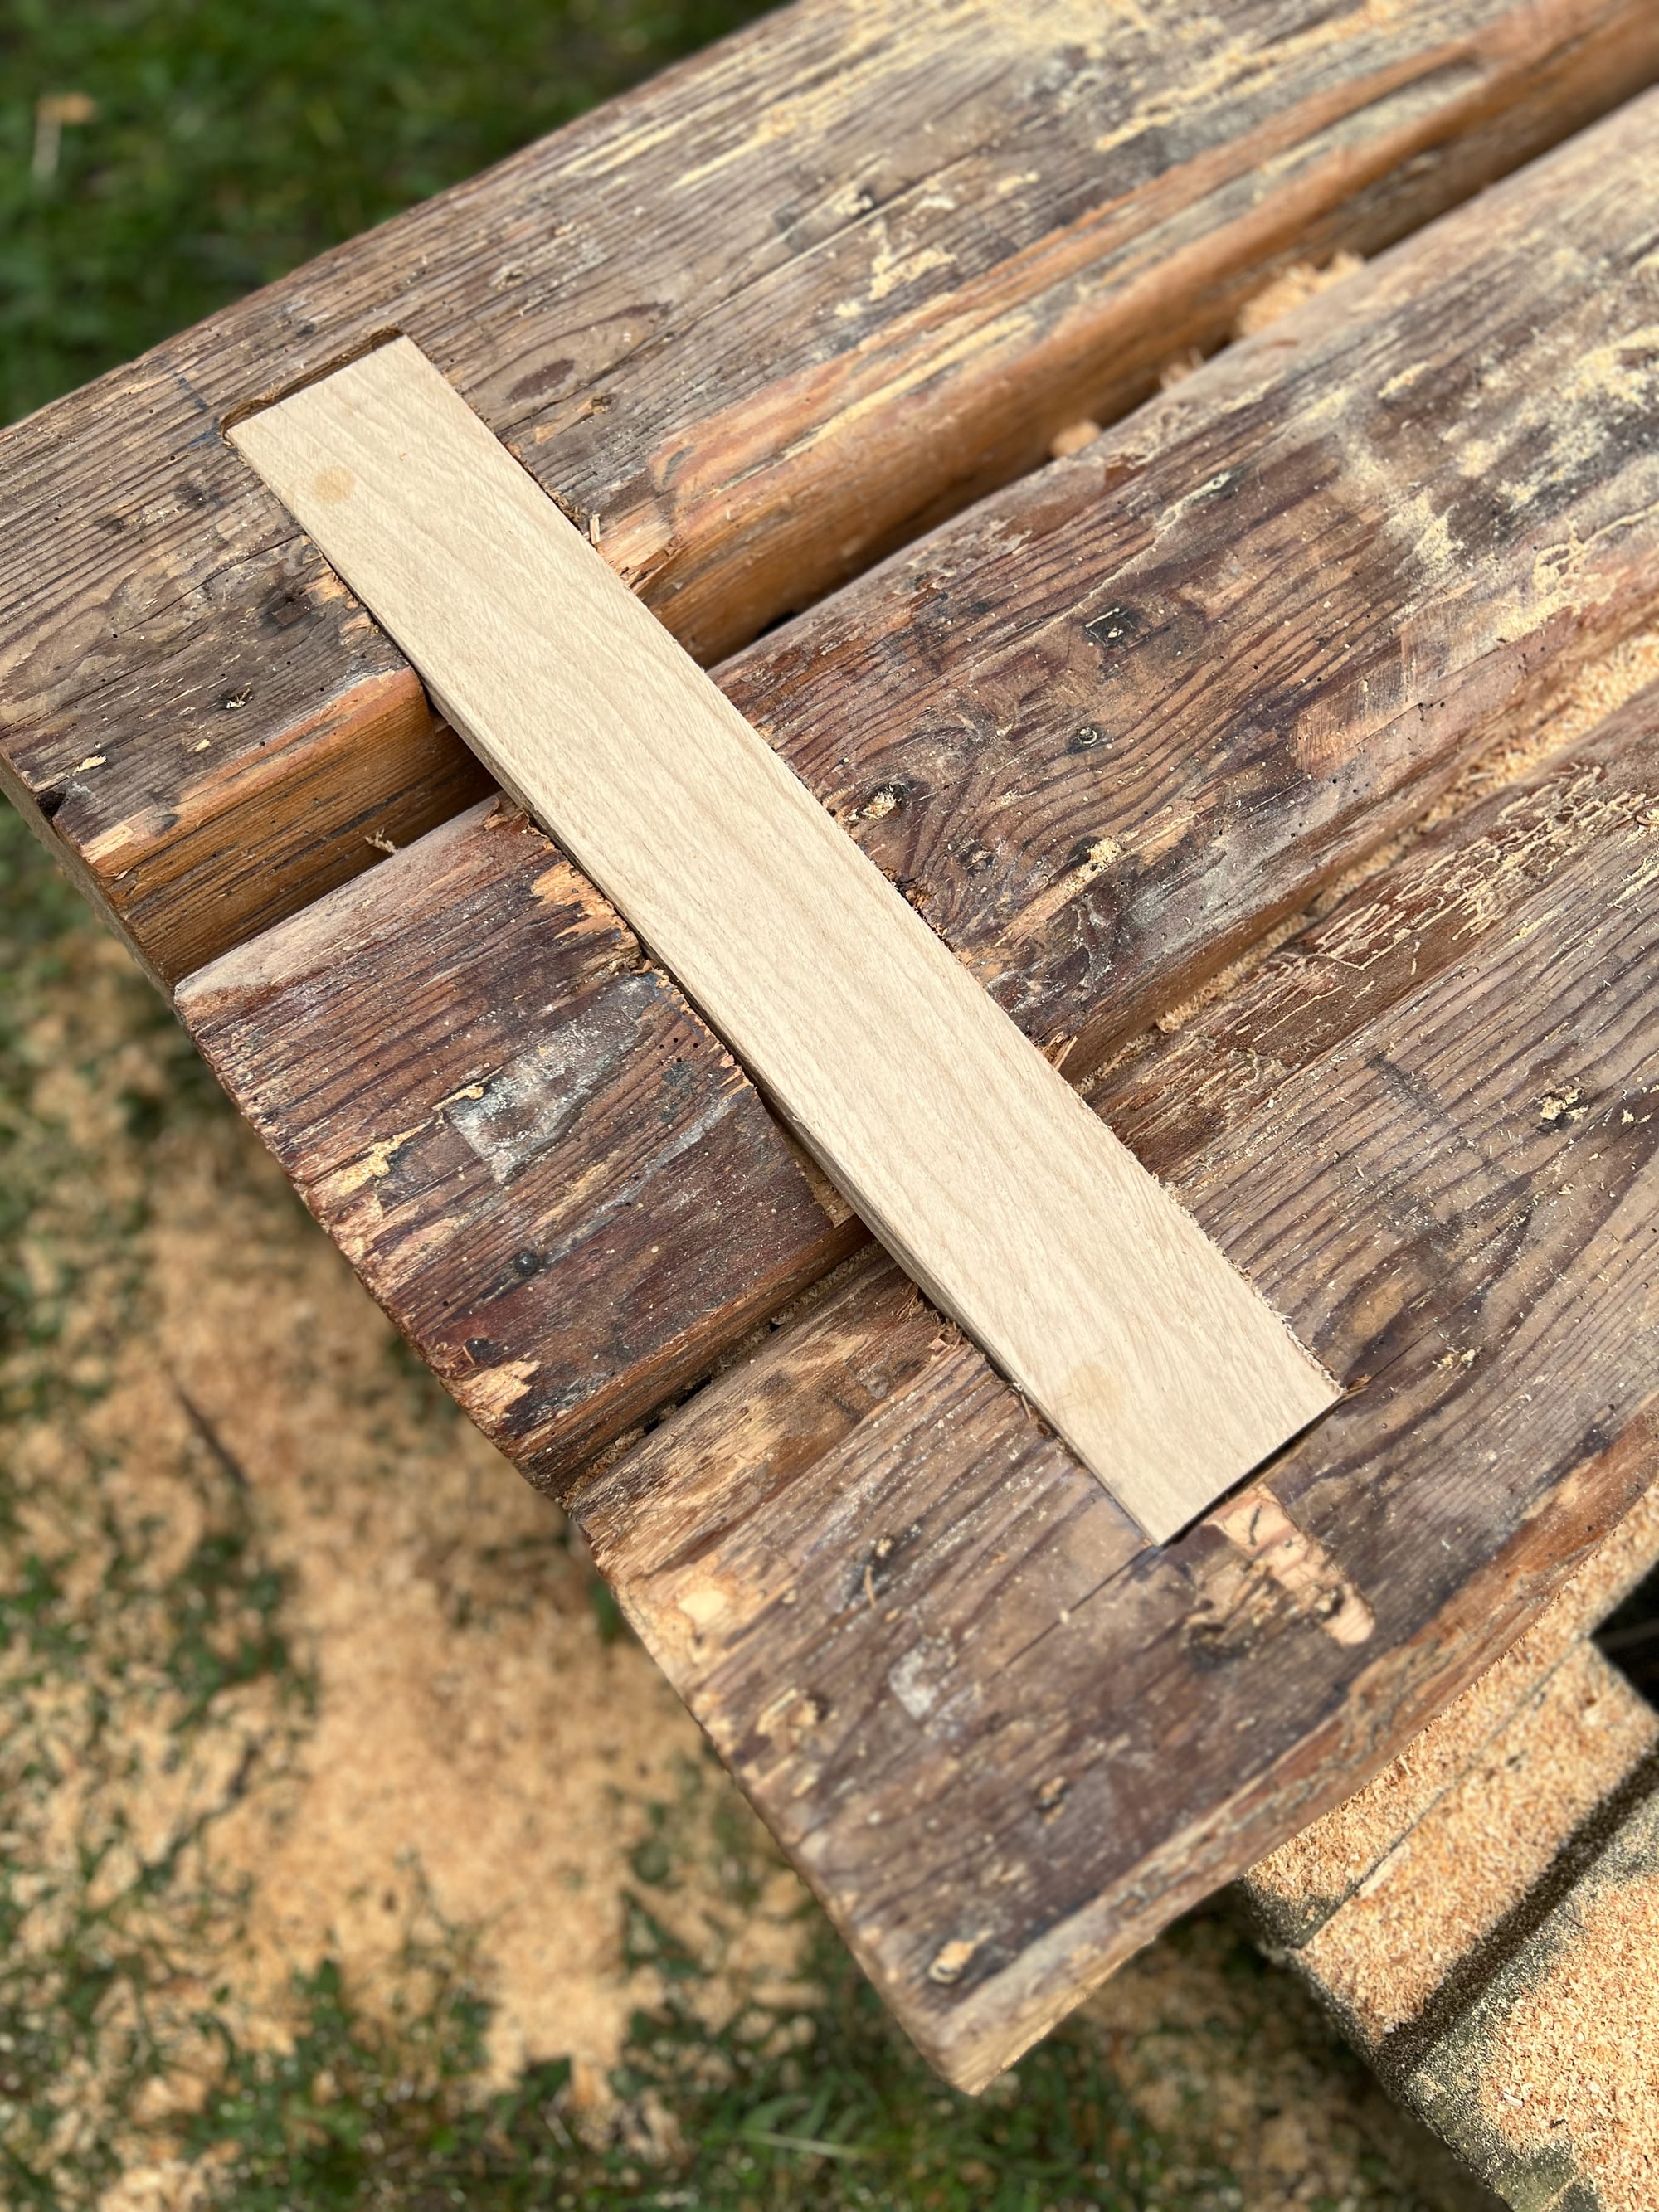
[
  {"x": 1105, "y": 728},
  {"x": 559, "y": 1114},
  {"x": 758, "y": 322},
  {"x": 1005, "y": 1740},
  {"x": 1107, "y": 725},
  {"x": 1229, "y": 1059}
]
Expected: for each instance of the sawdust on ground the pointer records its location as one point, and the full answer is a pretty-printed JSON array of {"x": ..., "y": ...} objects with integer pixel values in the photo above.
[
  {"x": 471, "y": 1752},
  {"x": 453, "y": 1758}
]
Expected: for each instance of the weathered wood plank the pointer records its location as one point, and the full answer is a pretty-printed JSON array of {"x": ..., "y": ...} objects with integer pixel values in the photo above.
[
  {"x": 1111, "y": 722},
  {"x": 1104, "y": 729},
  {"x": 1228, "y": 1060},
  {"x": 1005, "y": 1740},
  {"x": 547, "y": 1107},
  {"x": 890, "y": 251}
]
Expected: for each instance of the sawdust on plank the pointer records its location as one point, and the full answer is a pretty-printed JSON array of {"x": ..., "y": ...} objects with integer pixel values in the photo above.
[
  {"x": 1598, "y": 690},
  {"x": 1481, "y": 1848},
  {"x": 1292, "y": 289},
  {"x": 1333, "y": 1857}
]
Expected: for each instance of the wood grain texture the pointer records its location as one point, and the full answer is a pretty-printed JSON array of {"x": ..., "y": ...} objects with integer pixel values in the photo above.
[
  {"x": 1342, "y": 560},
  {"x": 892, "y": 249},
  {"x": 551, "y": 1120},
  {"x": 1229, "y": 1061},
  {"x": 964, "y": 1151},
  {"x": 1005, "y": 1740},
  {"x": 524, "y": 1141}
]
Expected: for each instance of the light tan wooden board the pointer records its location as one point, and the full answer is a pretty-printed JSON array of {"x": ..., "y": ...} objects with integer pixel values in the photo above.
[{"x": 966, "y": 1153}]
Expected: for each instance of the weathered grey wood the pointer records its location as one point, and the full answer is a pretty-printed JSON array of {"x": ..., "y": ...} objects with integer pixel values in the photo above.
[
  {"x": 1005, "y": 1740},
  {"x": 756, "y": 323},
  {"x": 1104, "y": 729}
]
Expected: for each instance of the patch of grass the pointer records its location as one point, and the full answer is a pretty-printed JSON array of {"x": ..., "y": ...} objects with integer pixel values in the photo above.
[
  {"x": 92, "y": 1926},
  {"x": 50, "y": 954},
  {"x": 819, "y": 2107},
  {"x": 226, "y": 142},
  {"x": 104, "y": 1626},
  {"x": 812, "y": 2102},
  {"x": 91, "y": 1937},
  {"x": 831, "y": 2106},
  {"x": 38, "y": 913},
  {"x": 34, "y": 1615},
  {"x": 37, "y": 906},
  {"x": 355, "y": 2111},
  {"x": 223, "y": 1610}
]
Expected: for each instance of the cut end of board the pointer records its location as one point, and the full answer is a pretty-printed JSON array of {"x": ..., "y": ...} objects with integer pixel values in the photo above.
[{"x": 1087, "y": 1285}]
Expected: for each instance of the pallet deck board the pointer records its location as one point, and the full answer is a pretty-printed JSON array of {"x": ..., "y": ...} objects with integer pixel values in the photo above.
[
  {"x": 758, "y": 320},
  {"x": 1290, "y": 677}
]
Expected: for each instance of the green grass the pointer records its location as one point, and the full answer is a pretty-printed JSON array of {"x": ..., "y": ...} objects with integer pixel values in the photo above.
[
  {"x": 234, "y": 138},
  {"x": 823, "y": 2106},
  {"x": 81, "y": 1953},
  {"x": 37, "y": 907}
]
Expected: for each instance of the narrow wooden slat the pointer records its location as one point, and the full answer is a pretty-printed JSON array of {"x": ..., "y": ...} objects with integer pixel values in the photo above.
[
  {"x": 1102, "y": 731},
  {"x": 959, "y": 1144},
  {"x": 888, "y": 251},
  {"x": 1004, "y": 1740}
]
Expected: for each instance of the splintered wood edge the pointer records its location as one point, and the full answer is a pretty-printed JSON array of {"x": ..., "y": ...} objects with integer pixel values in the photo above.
[{"x": 1079, "y": 1274}]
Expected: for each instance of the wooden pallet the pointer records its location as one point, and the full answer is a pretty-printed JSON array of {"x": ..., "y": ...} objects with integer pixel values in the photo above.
[{"x": 1117, "y": 724}]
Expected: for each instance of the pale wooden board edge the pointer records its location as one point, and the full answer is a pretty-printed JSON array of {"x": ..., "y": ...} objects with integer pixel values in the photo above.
[{"x": 963, "y": 1150}]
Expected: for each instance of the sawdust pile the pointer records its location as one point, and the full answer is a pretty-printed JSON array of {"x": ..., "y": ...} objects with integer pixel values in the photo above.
[
  {"x": 478, "y": 1751},
  {"x": 1476, "y": 1853},
  {"x": 1292, "y": 289},
  {"x": 1187, "y": 2033},
  {"x": 1580, "y": 2053},
  {"x": 1280, "y": 296}
]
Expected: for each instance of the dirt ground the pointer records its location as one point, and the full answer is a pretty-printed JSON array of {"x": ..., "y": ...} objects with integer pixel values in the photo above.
[{"x": 352, "y": 1851}]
